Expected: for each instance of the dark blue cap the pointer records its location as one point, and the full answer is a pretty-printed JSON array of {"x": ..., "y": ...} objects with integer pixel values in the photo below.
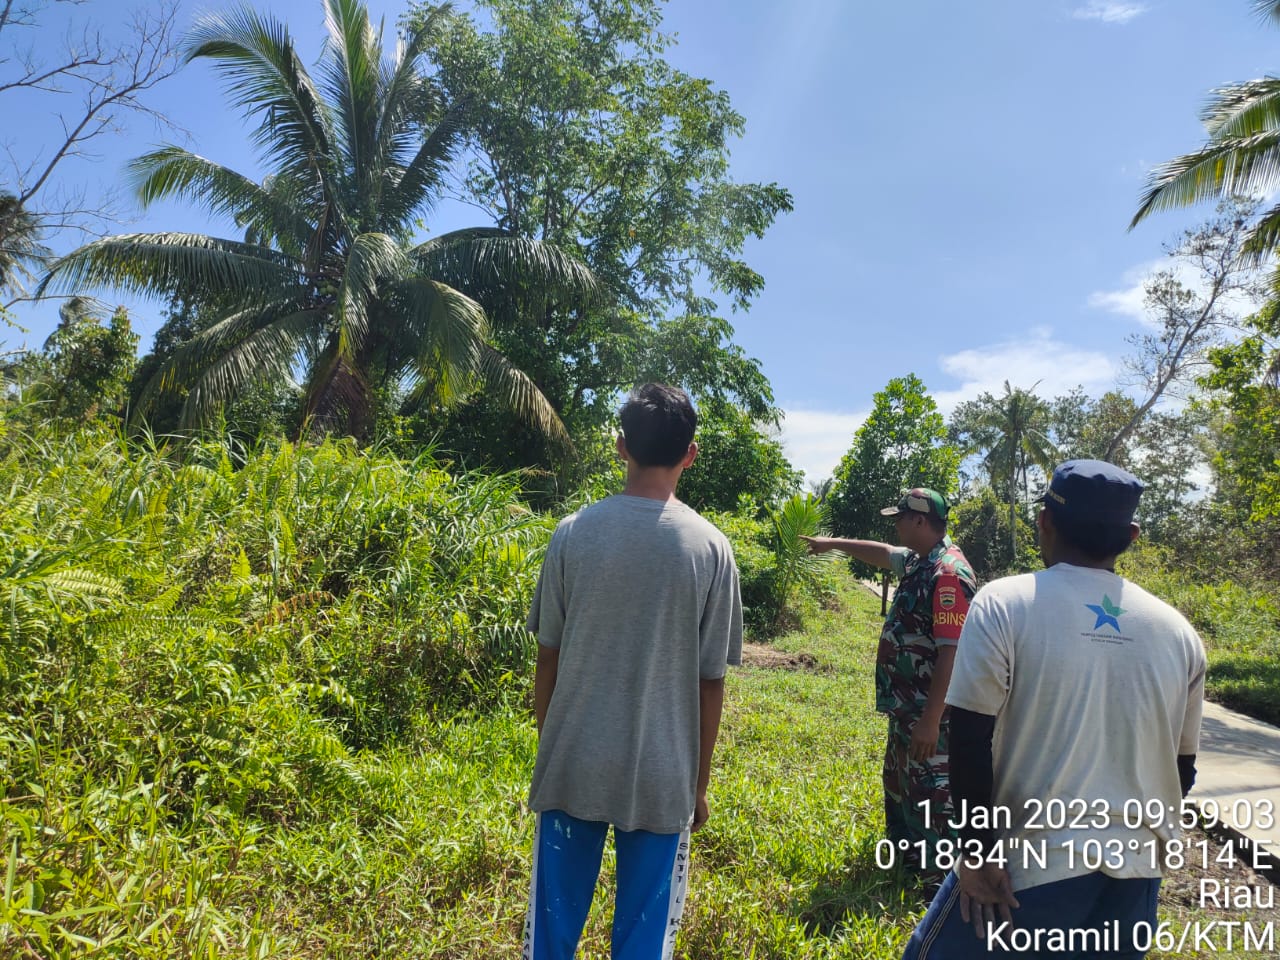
[{"x": 1093, "y": 490}]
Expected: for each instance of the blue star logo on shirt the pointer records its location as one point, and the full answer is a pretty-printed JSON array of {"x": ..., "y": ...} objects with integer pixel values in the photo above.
[{"x": 1107, "y": 614}]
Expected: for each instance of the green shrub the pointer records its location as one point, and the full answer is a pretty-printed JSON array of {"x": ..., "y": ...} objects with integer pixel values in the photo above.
[
  {"x": 757, "y": 570},
  {"x": 192, "y": 646},
  {"x": 1239, "y": 623},
  {"x": 776, "y": 572}
]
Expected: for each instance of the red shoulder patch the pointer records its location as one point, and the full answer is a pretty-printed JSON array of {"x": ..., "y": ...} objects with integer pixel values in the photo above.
[{"x": 950, "y": 607}]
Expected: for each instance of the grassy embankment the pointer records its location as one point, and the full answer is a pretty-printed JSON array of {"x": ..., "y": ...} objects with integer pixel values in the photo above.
[
  {"x": 276, "y": 707},
  {"x": 1239, "y": 623}
]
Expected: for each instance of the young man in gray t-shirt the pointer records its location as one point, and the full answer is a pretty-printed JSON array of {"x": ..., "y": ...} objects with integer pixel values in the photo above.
[{"x": 637, "y": 613}]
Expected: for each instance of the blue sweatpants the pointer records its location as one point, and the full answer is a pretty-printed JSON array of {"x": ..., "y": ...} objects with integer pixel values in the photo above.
[
  {"x": 1093, "y": 902},
  {"x": 652, "y": 880}
]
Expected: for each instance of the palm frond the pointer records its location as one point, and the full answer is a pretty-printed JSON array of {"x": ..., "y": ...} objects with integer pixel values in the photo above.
[
  {"x": 412, "y": 191},
  {"x": 193, "y": 358},
  {"x": 492, "y": 261},
  {"x": 165, "y": 263},
  {"x": 373, "y": 257},
  {"x": 1268, "y": 9},
  {"x": 172, "y": 172},
  {"x": 800, "y": 516},
  {"x": 265, "y": 354},
  {"x": 1239, "y": 166},
  {"x": 444, "y": 330},
  {"x": 266, "y": 77},
  {"x": 407, "y": 96},
  {"x": 513, "y": 388},
  {"x": 350, "y": 67},
  {"x": 1263, "y": 238},
  {"x": 22, "y": 254},
  {"x": 1243, "y": 109},
  {"x": 428, "y": 248}
]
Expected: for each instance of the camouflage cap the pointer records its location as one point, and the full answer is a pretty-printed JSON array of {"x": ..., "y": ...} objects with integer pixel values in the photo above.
[{"x": 920, "y": 500}]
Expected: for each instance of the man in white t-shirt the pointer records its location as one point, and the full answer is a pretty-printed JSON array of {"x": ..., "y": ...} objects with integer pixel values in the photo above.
[{"x": 1076, "y": 701}]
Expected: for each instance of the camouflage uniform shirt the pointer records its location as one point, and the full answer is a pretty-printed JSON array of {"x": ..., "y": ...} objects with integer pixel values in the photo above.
[{"x": 928, "y": 610}]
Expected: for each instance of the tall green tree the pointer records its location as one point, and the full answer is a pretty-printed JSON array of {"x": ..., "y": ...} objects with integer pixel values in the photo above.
[
  {"x": 980, "y": 524},
  {"x": 329, "y": 278},
  {"x": 1169, "y": 450},
  {"x": 1011, "y": 433},
  {"x": 1245, "y": 385},
  {"x": 84, "y": 367},
  {"x": 902, "y": 444},
  {"x": 1083, "y": 427},
  {"x": 737, "y": 459},
  {"x": 584, "y": 135}
]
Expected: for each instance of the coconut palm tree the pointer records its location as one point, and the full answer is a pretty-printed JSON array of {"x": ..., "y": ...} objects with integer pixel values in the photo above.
[
  {"x": 21, "y": 252},
  {"x": 1013, "y": 429},
  {"x": 327, "y": 279},
  {"x": 1240, "y": 158}
]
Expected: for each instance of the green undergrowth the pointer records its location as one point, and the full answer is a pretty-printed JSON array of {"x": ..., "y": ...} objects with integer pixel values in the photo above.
[
  {"x": 274, "y": 703},
  {"x": 1239, "y": 623}
]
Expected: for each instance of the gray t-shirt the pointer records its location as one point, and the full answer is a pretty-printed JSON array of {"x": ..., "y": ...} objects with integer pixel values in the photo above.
[{"x": 641, "y": 597}]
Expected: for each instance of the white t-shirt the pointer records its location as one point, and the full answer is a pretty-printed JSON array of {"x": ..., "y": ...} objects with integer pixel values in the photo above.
[{"x": 1097, "y": 687}]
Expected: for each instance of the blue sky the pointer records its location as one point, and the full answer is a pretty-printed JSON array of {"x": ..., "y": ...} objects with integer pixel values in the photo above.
[{"x": 963, "y": 177}]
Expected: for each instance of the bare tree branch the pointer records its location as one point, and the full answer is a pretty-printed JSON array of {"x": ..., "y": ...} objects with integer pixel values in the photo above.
[
  {"x": 1189, "y": 321},
  {"x": 106, "y": 82}
]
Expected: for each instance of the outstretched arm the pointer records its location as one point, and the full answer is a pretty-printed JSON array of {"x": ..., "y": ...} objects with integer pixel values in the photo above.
[{"x": 868, "y": 551}]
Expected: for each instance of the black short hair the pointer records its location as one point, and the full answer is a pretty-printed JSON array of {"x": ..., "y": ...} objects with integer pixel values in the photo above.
[
  {"x": 658, "y": 422},
  {"x": 1095, "y": 539}
]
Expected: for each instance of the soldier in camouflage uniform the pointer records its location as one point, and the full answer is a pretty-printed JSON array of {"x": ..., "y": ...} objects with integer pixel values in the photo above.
[{"x": 913, "y": 665}]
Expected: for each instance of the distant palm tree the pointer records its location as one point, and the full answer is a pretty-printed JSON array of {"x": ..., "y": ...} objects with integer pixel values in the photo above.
[
  {"x": 1241, "y": 157},
  {"x": 326, "y": 279},
  {"x": 22, "y": 255},
  {"x": 1017, "y": 424}
]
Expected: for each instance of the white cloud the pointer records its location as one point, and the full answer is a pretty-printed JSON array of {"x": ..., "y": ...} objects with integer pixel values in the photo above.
[
  {"x": 1130, "y": 299},
  {"x": 815, "y": 440},
  {"x": 1051, "y": 366},
  {"x": 1109, "y": 11}
]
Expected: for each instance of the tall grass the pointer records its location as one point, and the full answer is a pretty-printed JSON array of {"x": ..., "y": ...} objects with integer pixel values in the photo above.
[
  {"x": 271, "y": 703},
  {"x": 193, "y": 650},
  {"x": 1238, "y": 621}
]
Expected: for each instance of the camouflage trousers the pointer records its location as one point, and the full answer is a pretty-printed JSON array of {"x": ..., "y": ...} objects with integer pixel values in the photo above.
[{"x": 911, "y": 788}]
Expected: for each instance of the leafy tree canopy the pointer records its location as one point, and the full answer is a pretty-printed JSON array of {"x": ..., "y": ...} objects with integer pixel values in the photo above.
[
  {"x": 84, "y": 368},
  {"x": 1245, "y": 381},
  {"x": 737, "y": 462},
  {"x": 902, "y": 444},
  {"x": 328, "y": 278},
  {"x": 583, "y": 135}
]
